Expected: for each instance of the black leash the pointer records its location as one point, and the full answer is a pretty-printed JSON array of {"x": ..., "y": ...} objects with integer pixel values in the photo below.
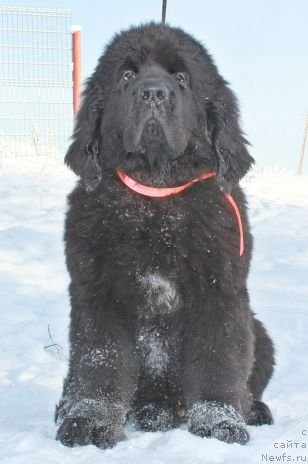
[{"x": 163, "y": 15}]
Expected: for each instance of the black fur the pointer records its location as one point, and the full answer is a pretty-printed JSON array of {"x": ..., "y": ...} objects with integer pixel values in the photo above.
[{"x": 161, "y": 327}]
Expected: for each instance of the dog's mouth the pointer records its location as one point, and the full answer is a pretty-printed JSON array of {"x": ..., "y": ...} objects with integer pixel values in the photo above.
[
  {"x": 153, "y": 131},
  {"x": 151, "y": 134},
  {"x": 155, "y": 136}
]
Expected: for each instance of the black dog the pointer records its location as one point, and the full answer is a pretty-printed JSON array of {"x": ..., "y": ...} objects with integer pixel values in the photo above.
[{"x": 161, "y": 327}]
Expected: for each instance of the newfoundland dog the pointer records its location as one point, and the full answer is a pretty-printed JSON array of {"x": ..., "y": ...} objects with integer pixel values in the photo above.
[{"x": 158, "y": 249}]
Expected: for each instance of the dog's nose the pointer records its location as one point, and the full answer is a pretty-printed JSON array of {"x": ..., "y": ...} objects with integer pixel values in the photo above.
[{"x": 153, "y": 92}]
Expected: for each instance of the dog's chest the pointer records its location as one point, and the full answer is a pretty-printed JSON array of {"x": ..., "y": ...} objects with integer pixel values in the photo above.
[
  {"x": 160, "y": 295},
  {"x": 158, "y": 308},
  {"x": 152, "y": 225},
  {"x": 153, "y": 234}
]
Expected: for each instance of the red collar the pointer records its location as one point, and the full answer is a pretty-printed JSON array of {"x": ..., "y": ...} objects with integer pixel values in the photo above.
[{"x": 160, "y": 192}]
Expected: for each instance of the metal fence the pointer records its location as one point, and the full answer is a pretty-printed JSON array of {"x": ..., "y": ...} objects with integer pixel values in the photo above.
[{"x": 36, "y": 108}]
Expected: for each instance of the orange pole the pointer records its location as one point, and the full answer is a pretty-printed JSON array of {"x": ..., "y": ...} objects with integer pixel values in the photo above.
[{"x": 76, "y": 51}]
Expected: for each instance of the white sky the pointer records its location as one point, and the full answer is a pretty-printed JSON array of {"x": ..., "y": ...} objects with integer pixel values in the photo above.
[{"x": 260, "y": 47}]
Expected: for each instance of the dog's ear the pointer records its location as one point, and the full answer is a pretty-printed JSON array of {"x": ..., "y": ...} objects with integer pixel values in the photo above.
[
  {"x": 231, "y": 155},
  {"x": 83, "y": 155}
]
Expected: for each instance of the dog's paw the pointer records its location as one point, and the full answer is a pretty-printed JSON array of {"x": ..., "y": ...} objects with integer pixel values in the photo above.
[
  {"x": 213, "y": 419},
  {"x": 260, "y": 414},
  {"x": 90, "y": 422},
  {"x": 81, "y": 431},
  {"x": 75, "y": 431},
  {"x": 153, "y": 418},
  {"x": 230, "y": 432}
]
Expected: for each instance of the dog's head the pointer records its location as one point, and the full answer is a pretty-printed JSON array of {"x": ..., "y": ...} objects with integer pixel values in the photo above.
[
  {"x": 157, "y": 111},
  {"x": 157, "y": 105}
]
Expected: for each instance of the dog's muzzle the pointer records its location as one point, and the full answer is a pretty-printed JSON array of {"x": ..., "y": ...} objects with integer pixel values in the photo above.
[{"x": 153, "y": 92}]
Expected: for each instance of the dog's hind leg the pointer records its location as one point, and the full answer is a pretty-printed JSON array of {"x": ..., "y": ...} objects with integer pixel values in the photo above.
[
  {"x": 261, "y": 373},
  {"x": 158, "y": 404}
]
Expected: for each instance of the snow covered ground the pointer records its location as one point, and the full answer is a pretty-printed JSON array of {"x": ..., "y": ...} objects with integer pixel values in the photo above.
[{"x": 35, "y": 306}]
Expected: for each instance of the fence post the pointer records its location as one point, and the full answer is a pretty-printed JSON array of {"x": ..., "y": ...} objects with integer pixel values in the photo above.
[
  {"x": 301, "y": 158},
  {"x": 76, "y": 57}
]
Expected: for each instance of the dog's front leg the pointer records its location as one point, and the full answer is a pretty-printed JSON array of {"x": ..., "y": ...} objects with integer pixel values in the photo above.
[
  {"x": 100, "y": 383},
  {"x": 218, "y": 358}
]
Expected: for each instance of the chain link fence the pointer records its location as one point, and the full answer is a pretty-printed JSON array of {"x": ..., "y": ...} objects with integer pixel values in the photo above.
[{"x": 36, "y": 107}]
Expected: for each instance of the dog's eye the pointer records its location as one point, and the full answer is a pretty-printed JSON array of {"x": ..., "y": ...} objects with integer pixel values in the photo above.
[
  {"x": 180, "y": 77},
  {"x": 129, "y": 75}
]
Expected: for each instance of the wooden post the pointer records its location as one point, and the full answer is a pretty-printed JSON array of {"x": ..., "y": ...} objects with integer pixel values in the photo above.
[
  {"x": 76, "y": 56},
  {"x": 301, "y": 159}
]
